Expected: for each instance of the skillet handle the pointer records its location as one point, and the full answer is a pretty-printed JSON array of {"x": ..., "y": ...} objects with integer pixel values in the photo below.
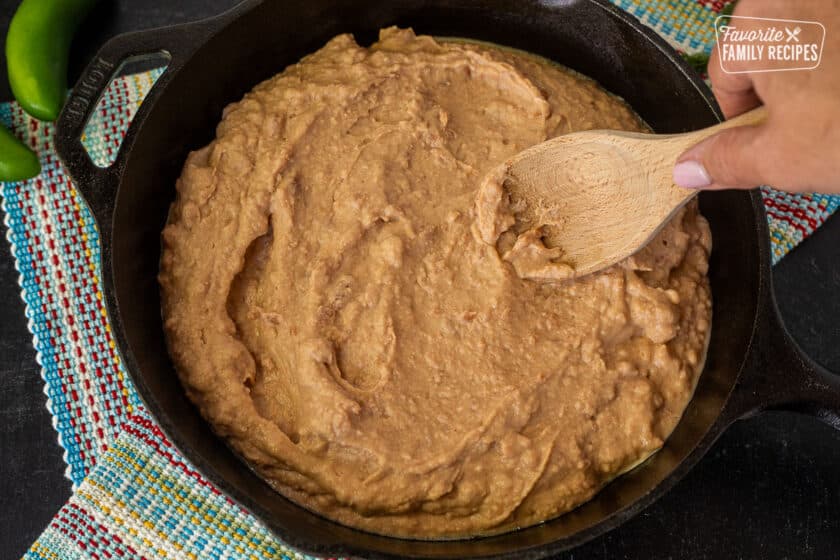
[
  {"x": 778, "y": 375},
  {"x": 98, "y": 184}
]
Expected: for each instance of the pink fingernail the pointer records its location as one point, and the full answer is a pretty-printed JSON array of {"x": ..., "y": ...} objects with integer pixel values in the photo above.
[{"x": 691, "y": 175}]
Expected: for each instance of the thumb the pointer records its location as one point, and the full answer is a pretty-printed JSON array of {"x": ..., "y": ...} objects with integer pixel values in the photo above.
[{"x": 733, "y": 158}]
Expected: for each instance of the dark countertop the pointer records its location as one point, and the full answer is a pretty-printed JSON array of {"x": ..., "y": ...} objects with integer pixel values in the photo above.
[{"x": 769, "y": 489}]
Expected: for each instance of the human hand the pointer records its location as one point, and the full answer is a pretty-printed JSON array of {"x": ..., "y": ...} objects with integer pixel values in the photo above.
[{"x": 798, "y": 147}]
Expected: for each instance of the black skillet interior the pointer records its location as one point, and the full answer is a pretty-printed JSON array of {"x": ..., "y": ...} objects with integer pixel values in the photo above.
[{"x": 259, "y": 40}]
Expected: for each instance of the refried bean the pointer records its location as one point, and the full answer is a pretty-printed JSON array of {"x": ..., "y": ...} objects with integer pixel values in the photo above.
[{"x": 337, "y": 316}]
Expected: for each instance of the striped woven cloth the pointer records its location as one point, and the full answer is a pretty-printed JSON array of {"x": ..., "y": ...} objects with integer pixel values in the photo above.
[{"x": 134, "y": 495}]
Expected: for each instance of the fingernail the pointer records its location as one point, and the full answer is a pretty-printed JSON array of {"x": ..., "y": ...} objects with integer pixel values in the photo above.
[{"x": 691, "y": 175}]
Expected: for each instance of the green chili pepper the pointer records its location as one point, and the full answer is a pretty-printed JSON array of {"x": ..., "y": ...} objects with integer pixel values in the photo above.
[
  {"x": 17, "y": 162},
  {"x": 699, "y": 61},
  {"x": 37, "y": 50}
]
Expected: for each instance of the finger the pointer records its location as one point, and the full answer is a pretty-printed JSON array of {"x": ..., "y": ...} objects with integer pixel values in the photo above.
[
  {"x": 734, "y": 158},
  {"x": 734, "y": 92}
]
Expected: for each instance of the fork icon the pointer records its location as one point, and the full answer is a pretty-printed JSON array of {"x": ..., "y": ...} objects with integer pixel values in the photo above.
[{"x": 793, "y": 35}]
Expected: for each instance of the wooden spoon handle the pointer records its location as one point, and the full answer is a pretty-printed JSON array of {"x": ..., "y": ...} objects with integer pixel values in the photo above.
[
  {"x": 675, "y": 145},
  {"x": 681, "y": 142}
]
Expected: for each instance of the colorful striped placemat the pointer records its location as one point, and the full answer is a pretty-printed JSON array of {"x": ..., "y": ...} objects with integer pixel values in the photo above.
[{"x": 134, "y": 495}]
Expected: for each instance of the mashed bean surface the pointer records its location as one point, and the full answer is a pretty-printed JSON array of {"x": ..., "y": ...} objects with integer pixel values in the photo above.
[{"x": 335, "y": 314}]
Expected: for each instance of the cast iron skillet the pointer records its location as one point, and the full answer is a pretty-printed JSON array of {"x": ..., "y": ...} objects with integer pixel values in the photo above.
[{"x": 752, "y": 364}]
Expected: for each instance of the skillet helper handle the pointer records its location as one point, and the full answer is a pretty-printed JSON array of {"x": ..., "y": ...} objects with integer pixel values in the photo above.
[
  {"x": 98, "y": 184},
  {"x": 89, "y": 90},
  {"x": 780, "y": 376}
]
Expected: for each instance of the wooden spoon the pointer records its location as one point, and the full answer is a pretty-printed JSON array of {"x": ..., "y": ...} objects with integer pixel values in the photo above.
[{"x": 597, "y": 197}]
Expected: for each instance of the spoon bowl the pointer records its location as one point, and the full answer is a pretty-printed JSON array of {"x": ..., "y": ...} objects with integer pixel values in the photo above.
[{"x": 594, "y": 198}]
